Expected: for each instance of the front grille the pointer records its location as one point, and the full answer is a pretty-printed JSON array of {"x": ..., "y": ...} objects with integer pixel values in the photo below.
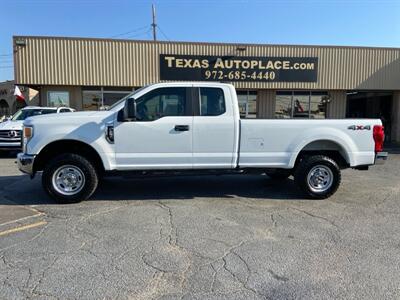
[{"x": 10, "y": 135}]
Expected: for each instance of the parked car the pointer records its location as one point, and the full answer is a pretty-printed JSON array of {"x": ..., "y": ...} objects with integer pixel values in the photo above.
[
  {"x": 192, "y": 128},
  {"x": 4, "y": 118},
  {"x": 11, "y": 129}
]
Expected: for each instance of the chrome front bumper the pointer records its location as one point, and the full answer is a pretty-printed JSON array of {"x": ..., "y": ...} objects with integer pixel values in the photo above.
[
  {"x": 25, "y": 163},
  {"x": 380, "y": 158},
  {"x": 10, "y": 146}
]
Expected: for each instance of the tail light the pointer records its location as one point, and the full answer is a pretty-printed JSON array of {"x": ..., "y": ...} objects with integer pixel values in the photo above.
[{"x": 379, "y": 137}]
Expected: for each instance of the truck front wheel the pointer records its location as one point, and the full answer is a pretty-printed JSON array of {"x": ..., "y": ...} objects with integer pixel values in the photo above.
[
  {"x": 318, "y": 176},
  {"x": 69, "y": 178}
]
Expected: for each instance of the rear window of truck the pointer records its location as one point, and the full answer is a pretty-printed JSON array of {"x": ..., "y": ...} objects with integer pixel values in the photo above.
[{"x": 212, "y": 102}]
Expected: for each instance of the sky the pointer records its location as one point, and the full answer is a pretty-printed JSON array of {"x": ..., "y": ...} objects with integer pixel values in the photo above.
[{"x": 302, "y": 22}]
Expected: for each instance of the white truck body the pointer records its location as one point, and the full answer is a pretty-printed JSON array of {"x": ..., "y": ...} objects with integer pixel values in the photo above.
[{"x": 202, "y": 142}]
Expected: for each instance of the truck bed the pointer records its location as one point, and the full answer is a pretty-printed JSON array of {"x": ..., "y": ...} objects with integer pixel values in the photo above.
[{"x": 277, "y": 142}]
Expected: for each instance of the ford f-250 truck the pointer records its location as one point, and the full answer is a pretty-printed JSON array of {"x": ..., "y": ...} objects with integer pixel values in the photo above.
[{"x": 192, "y": 128}]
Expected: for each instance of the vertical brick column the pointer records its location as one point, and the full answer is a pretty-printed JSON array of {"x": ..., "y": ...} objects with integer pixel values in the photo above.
[
  {"x": 396, "y": 117},
  {"x": 337, "y": 105},
  {"x": 266, "y": 104}
]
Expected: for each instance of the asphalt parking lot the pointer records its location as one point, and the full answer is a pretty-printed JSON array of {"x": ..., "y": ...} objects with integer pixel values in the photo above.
[{"x": 202, "y": 238}]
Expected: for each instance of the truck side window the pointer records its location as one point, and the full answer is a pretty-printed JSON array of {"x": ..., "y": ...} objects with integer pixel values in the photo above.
[
  {"x": 160, "y": 103},
  {"x": 212, "y": 102}
]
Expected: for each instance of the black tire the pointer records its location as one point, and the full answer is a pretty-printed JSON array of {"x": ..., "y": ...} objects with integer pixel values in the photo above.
[
  {"x": 329, "y": 168},
  {"x": 279, "y": 174},
  {"x": 86, "y": 169}
]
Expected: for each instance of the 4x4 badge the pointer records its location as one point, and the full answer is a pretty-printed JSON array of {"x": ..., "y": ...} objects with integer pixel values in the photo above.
[{"x": 359, "y": 127}]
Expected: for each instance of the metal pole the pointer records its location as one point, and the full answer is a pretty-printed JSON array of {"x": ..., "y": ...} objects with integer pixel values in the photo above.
[{"x": 154, "y": 25}]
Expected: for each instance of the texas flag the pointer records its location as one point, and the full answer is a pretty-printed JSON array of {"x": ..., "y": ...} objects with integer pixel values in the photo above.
[{"x": 18, "y": 94}]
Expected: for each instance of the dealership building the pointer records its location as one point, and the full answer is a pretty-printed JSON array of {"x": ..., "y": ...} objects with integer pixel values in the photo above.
[{"x": 272, "y": 81}]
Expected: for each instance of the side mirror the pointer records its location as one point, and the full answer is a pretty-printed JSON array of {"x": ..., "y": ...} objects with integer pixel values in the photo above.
[{"x": 129, "y": 110}]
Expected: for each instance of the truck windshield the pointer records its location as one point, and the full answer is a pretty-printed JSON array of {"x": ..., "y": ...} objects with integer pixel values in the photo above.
[
  {"x": 112, "y": 107},
  {"x": 22, "y": 114}
]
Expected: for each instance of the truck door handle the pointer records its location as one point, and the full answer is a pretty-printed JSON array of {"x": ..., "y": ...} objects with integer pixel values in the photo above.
[{"x": 181, "y": 127}]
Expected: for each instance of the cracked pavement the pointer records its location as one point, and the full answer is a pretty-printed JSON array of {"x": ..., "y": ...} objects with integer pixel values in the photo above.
[{"x": 225, "y": 237}]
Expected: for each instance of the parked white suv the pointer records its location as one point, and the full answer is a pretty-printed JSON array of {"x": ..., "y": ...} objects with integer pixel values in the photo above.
[
  {"x": 11, "y": 129},
  {"x": 192, "y": 128}
]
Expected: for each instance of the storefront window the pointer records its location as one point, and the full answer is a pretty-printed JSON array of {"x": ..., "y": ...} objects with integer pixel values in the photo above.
[
  {"x": 291, "y": 104},
  {"x": 91, "y": 100},
  {"x": 242, "y": 100},
  {"x": 318, "y": 105},
  {"x": 301, "y": 104},
  {"x": 98, "y": 98},
  {"x": 58, "y": 98},
  {"x": 252, "y": 105},
  {"x": 247, "y": 104},
  {"x": 283, "y": 106},
  {"x": 109, "y": 98}
]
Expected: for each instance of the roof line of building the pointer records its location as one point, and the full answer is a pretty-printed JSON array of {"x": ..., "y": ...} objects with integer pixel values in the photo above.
[{"x": 199, "y": 43}]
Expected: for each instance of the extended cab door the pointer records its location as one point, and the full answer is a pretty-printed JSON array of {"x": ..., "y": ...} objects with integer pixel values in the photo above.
[
  {"x": 161, "y": 137},
  {"x": 215, "y": 133}
]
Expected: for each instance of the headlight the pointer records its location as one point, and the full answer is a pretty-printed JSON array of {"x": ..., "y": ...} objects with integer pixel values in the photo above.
[{"x": 27, "y": 134}]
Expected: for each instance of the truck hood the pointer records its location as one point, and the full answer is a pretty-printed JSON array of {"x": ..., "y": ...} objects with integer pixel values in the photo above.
[
  {"x": 11, "y": 125},
  {"x": 87, "y": 127},
  {"x": 75, "y": 118}
]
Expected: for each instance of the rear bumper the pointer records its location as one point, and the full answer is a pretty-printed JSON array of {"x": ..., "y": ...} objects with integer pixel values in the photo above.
[
  {"x": 25, "y": 163},
  {"x": 380, "y": 158}
]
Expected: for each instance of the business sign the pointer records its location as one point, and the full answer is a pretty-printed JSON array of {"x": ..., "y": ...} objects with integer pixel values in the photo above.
[{"x": 234, "y": 68}]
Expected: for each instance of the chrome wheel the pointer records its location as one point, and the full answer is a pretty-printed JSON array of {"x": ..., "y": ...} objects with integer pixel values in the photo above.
[
  {"x": 320, "y": 178},
  {"x": 68, "y": 180}
]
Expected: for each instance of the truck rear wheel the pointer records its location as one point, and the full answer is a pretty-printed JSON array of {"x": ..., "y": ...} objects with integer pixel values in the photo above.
[
  {"x": 318, "y": 176},
  {"x": 69, "y": 178}
]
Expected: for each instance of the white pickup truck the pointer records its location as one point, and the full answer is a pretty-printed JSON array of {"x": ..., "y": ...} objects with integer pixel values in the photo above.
[{"x": 192, "y": 128}]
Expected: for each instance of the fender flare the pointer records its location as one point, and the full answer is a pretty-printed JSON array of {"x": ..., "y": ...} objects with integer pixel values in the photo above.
[
  {"x": 93, "y": 147},
  {"x": 324, "y": 134}
]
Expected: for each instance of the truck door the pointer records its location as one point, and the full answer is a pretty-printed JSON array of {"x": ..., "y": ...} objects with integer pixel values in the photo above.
[
  {"x": 161, "y": 137},
  {"x": 214, "y": 132}
]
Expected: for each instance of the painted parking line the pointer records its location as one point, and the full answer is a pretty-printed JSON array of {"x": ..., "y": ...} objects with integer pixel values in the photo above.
[
  {"x": 22, "y": 228},
  {"x": 22, "y": 219}
]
